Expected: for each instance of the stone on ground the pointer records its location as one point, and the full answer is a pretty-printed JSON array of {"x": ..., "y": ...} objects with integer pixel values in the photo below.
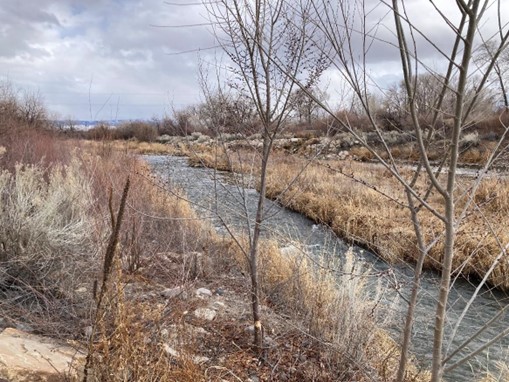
[{"x": 28, "y": 357}]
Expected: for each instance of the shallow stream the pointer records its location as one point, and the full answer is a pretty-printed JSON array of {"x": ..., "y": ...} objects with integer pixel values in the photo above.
[{"x": 219, "y": 197}]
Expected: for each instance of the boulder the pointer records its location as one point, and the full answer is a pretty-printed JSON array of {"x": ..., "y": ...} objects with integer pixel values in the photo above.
[{"x": 28, "y": 357}]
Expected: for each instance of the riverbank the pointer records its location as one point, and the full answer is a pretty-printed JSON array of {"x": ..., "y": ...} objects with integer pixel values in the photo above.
[
  {"x": 172, "y": 284},
  {"x": 364, "y": 204}
]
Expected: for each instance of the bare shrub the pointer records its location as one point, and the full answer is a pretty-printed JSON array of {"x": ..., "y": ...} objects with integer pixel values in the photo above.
[
  {"x": 99, "y": 132},
  {"x": 128, "y": 341},
  {"x": 46, "y": 250},
  {"x": 20, "y": 108},
  {"x": 142, "y": 131}
]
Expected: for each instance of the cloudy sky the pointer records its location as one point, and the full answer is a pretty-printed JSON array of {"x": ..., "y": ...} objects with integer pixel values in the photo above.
[
  {"x": 101, "y": 59},
  {"x": 115, "y": 59}
]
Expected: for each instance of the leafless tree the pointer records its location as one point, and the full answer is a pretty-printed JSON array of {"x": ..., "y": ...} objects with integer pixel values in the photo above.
[
  {"x": 306, "y": 107},
  {"x": 32, "y": 109},
  {"x": 252, "y": 33},
  {"x": 484, "y": 56},
  {"x": 352, "y": 33},
  {"x": 227, "y": 112}
]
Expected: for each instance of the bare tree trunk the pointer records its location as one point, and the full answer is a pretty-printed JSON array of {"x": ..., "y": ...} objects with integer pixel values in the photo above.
[
  {"x": 450, "y": 226},
  {"x": 253, "y": 255},
  {"x": 254, "y": 32},
  {"x": 416, "y": 282}
]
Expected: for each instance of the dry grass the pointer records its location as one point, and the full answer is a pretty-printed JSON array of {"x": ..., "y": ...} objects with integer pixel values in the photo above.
[
  {"x": 365, "y": 215},
  {"x": 128, "y": 344},
  {"x": 312, "y": 290},
  {"x": 358, "y": 202}
]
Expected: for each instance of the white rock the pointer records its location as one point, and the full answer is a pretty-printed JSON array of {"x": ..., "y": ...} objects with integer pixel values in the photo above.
[
  {"x": 176, "y": 354},
  {"x": 200, "y": 331},
  {"x": 172, "y": 292},
  {"x": 205, "y": 314},
  {"x": 200, "y": 359},
  {"x": 203, "y": 292},
  {"x": 170, "y": 351}
]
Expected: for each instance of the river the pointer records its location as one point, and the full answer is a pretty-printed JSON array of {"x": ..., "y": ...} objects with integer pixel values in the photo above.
[{"x": 221, "y": 194}]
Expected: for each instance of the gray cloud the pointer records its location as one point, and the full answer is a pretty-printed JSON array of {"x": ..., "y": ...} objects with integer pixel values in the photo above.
[
  {"x": 105, "y": 58},
  {"x": 102, "y": 58}
]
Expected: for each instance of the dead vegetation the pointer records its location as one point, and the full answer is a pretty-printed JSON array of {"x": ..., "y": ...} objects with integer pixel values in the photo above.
[
  {"x": 55, "y": 223},
  {"x": 364, "y": 204}
]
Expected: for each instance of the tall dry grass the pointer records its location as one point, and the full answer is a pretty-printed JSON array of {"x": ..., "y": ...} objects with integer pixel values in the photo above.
[
  {"x": 127, "y": 342},
  {"x": 327, "y": 299},
  {"x": 370, "y": 211},
  {"x": 364, "y": 204}
]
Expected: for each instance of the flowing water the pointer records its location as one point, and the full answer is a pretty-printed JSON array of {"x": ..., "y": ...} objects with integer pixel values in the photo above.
[{"x": 219, "y": 197}]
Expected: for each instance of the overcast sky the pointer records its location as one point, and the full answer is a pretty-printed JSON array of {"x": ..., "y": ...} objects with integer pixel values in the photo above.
[
  {"x": 110, "y": 50},
  {"x": 111, "y": 59}
]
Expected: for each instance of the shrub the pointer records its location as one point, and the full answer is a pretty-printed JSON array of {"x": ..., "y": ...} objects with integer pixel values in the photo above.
[
  {"x": 142, "y": 131},
  {"x": 46, "y": 247},
  {"x": 100, "y": 132}
]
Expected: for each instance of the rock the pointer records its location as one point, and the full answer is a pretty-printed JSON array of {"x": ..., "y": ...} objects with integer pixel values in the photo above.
[
  {"x": 174, "y": 292},
  {"x": 164, "y": 334},
  {"x": 163, "y": 138},
  {"x": 81, "y": 290},
  {"x": 170, "y": 351},
  {"x": 174, "y": 333},
  {"x": 177, "y": 354},
  {"x": 269, "y": 341},
  {"x": 205, "y": 314},
  {"x": 220, "y": 291},
  {"x": 24, "y": 327},
  {"x": 199, "y": 331},
  {"x": 200, "y": 359},
  {"x": 218, "y": 305},
  {"x": 203, "y": 292},
  {"x": 27, "y": 357}
]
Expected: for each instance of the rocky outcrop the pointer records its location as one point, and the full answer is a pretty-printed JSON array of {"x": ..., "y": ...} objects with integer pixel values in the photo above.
[{"x": 28, "y": 357}]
